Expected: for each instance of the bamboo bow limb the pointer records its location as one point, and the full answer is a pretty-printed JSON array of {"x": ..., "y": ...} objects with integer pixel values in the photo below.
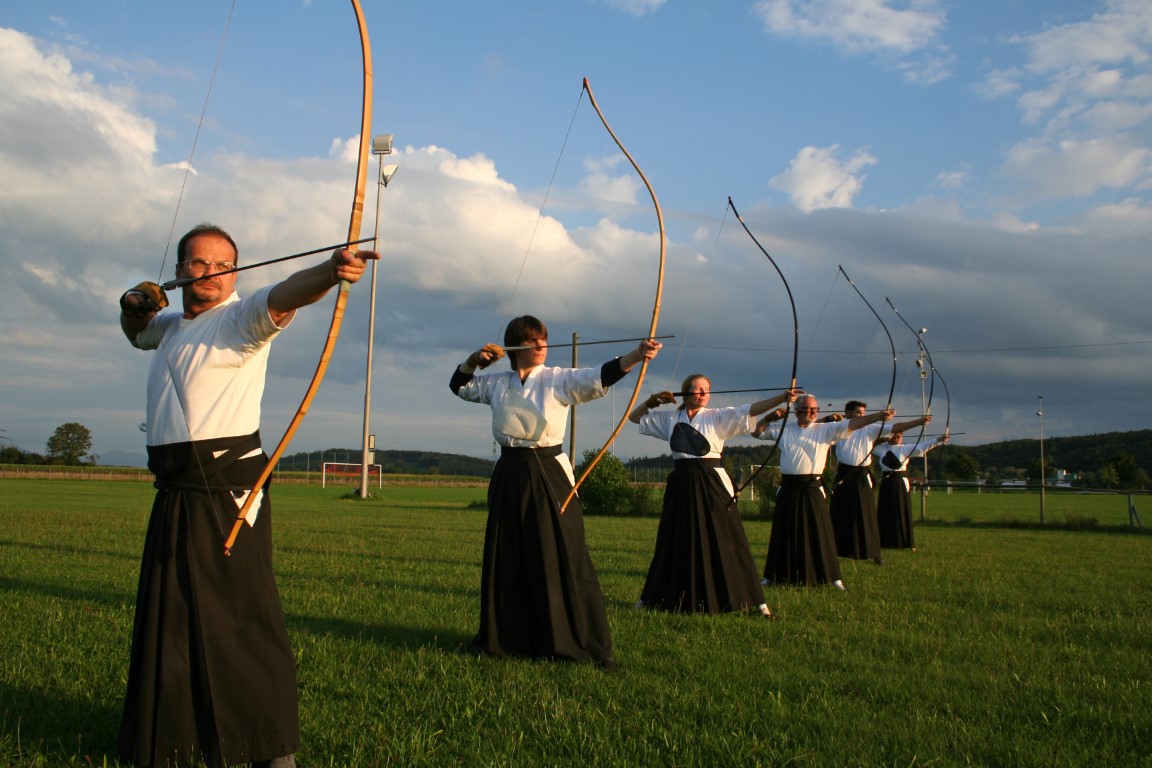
[
  {"x": 357, "y": 215},
  {"x": 655, "y": 304}
]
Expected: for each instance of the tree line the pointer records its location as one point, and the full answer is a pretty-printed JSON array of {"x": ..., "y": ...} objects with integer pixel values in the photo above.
[
  {"x": 1112, "y": 460},
  {"x": 70, "y": 445}
]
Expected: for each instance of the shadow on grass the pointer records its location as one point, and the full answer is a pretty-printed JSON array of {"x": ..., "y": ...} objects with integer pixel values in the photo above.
[
  {"x": 66, "y": 593},
  {"x": 398, "y": 636},
  {"x": 32, "y": 549},
  {"x": 56, "y": 729},
  {"x": 1074, "y": 524}
]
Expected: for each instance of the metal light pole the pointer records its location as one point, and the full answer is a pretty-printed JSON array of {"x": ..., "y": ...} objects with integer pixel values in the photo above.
[
  {"x": 572, "y": 413},
  {"x": 923, "y": 409},
  {"x": 1043, "y": 480},
  {"x": 381, "y": 145}
]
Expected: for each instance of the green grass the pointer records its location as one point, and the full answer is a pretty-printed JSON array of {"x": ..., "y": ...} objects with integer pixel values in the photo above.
[{"x": 995, "y": 644}]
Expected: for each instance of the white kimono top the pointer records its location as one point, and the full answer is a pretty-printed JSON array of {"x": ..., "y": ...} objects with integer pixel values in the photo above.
[
  {"x": 533, "y": 413},
  {"x": 903, "y": 452},
  {"x": 854, "y": 448},
  {"x": 715, "y": 425},
  {"x": 219, "y": 359},
  {"x": 805, "y": 451}
]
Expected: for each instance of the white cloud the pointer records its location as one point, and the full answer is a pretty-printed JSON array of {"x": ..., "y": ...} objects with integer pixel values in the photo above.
[
  {"x": 1086, "y": 86},
  {"x": 928, "y": 69},
  {"x": 1119, "y": 35},
  {"x": 1011, "y": 223},
  {"x": 1080, "y": 65},
  {"x": 952, "y": 179},
  {"x": 1075, "y": 168},
  {"x": 855, "y": 25},
  {"x": 602, "y": 182},
  {"x": 1131, "y": 212},
  {"x": 816, "y": 178},
  {"x": 1000, "y": 82},
  {"x": 635, "y": 7}
]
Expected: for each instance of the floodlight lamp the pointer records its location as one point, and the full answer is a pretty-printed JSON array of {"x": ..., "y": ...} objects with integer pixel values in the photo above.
[
  {"x": 923, "y": 330},
  {"x": 386, "y": 173},
  {"x": 382, "y": 144}
]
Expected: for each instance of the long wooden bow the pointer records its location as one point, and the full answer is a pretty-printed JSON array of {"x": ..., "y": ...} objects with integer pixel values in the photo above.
[
  {"x": 362, "y": 163},
  {"x": 891, "y": 345},
  {"x": 935, "y": 374},
  {"x": 795, "y": 351},
  {"x": 655, "y": 304}
]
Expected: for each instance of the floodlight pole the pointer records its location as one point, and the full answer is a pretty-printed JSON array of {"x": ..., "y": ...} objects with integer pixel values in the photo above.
[
  {"x": 572, "y": 412},
  {"x": 923, "y": 409},
  {"x": 381, "y": 145},
  {"x": 1043, "y": 474}
]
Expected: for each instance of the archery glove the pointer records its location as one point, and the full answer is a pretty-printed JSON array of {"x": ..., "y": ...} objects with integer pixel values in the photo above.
[
  {"x": 659, "y": 398},
  {"x": 478, "y": 359},
  {"x": 153, "y": 300}
]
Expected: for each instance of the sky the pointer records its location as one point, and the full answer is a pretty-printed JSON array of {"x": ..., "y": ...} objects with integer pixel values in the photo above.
[{"x": 983, "y": 167}]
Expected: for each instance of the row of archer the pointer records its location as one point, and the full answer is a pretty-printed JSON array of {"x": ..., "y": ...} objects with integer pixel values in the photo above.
[{"x": 537, "y": 574}]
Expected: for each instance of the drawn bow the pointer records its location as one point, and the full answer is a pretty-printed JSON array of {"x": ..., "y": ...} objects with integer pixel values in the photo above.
[
  {"x": 362, "y": 163},
  {"x": 795, "y": 351},
  {"x": 935, "y": 374},
  {"x": 655, "y": 304},
  {"x": 891, "y": 346}
]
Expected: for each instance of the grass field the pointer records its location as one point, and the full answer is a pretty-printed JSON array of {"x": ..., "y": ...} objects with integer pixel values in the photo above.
[{"x": 997, "y": 643}]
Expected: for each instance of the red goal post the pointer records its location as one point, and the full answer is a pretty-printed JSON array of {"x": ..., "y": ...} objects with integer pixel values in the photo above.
[{"x": 345, "y": 473}]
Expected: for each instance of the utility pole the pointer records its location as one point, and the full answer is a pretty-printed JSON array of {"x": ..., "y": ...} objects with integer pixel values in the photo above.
[
  {"x": 923, "y": 409},
  {"x": 1043, "y": 474},
  {"x": 572, "y": 414}
]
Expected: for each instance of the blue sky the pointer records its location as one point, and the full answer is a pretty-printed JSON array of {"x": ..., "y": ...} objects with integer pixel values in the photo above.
[{"x": 986, "y": 166}]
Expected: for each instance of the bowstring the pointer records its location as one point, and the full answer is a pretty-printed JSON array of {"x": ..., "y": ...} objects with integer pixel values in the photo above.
[
  {"x": 196, "y": 139},
  {"x": 672, "y": 385},
  {"x": 544, "y": 202},
  {"x": 164, "y": 261},
  {"x": 524, "y": 264}
]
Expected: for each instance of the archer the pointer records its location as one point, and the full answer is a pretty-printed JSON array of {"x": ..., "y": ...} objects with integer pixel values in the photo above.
[{"x": 212, "y": 675}]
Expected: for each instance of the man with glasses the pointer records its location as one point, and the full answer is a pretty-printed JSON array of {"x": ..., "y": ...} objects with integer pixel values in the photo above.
[
  {"x": 212, "y": 676},
  {"x": 802, "y": 546}
]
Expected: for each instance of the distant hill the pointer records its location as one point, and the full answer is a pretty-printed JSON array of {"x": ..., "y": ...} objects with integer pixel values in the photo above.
[{"x": 1084, "y": 453}]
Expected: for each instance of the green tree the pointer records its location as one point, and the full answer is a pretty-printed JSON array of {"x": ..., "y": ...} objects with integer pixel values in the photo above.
[
  {"x": 957, "y": 465},
  {"x": 69, "y": 443},
  {"x": 1129, "y": 475},
  {"x": 766, "y": 484},
  {"x": 1105, "y": 477},
  {"x": 607, "y": 491}
]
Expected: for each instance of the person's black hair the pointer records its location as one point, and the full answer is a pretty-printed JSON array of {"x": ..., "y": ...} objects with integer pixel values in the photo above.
[
  {"x": 521, "y": 329},
  {"x": 205, "y": 229}
]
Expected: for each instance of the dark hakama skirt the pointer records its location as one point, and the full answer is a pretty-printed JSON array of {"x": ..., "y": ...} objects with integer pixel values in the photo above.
[
  {"x": 853, "y": 512},
  {"x": 212, "y": 676},
  {"x": 894, "y": 511},
  {"x": 802, "y": 546},
  {"x": 702, "y": 562},
  {"x": 539, "y": 593}
]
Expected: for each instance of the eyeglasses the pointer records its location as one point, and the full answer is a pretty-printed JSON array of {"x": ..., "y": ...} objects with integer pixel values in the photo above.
[
  {"x": 809, "y": 410},
  {"x": 203, "y": 265}
]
